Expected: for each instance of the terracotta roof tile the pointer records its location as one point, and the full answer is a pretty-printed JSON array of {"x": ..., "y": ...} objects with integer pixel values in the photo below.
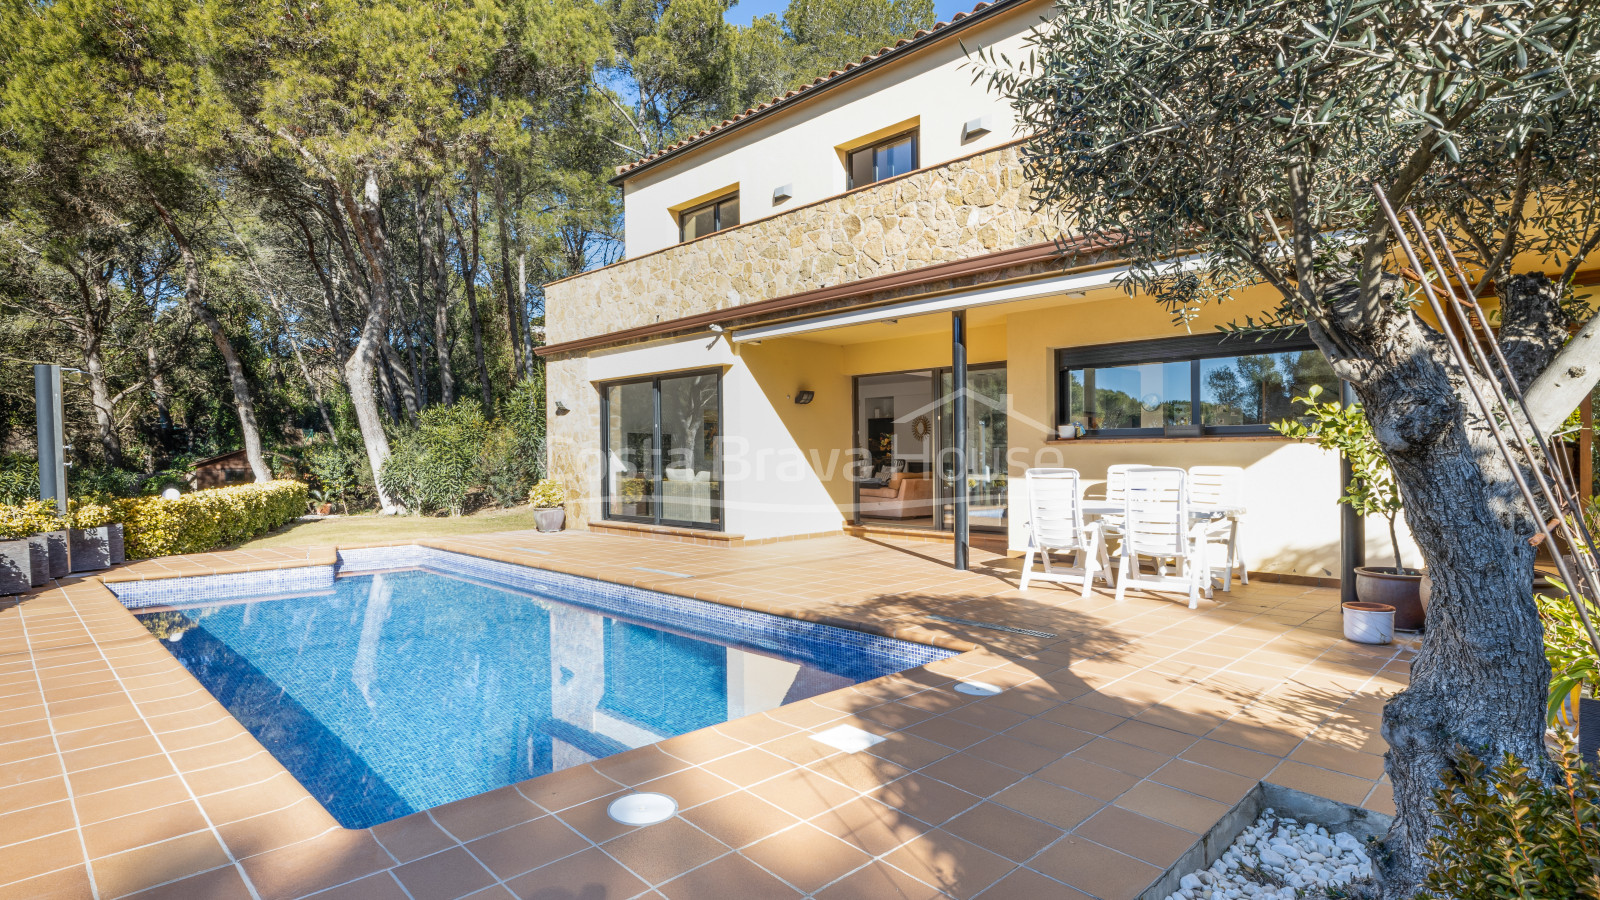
[{"x": 821, "y": 79}]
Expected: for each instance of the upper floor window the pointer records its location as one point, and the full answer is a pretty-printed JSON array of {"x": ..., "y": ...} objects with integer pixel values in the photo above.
[
  {"x": 885, "y": 159},
  {"x": 707, "y": 218}
]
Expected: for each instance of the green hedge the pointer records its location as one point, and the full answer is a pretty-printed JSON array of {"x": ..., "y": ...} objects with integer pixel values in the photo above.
[{"x": 207, "y": 520}]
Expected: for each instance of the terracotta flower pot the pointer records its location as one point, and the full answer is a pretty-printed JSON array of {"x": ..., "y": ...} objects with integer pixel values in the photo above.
[{"x": 1401, "y": 590}]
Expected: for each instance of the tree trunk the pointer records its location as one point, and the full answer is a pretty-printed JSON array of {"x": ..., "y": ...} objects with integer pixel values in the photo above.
[
  {"x": 437, "y": 262},
  {"x": 358, "y": 369},
  {"x": 100, "y": 398},
  {"x": 1480, "y": 680},
  {"x": 469, "y": 278},
  {"x": 513, "y": 304},
  {"x": 243, "y": 403},
  {"x": 401, "y": 382}
]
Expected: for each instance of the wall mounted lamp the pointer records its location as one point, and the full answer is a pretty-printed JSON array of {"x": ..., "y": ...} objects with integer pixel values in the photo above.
[
  {"x": 801, "y": 398},
  {"x": 561, "y": 408}
]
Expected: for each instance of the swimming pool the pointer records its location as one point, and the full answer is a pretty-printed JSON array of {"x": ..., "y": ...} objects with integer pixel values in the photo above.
[{"x": 395, "y": 691}]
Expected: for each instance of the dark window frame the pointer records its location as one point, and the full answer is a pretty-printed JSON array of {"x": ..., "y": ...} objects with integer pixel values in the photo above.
[
  {"x": 913, "y": 133},
  {"x": 716, "y": 216},
  {"x": 1192, "y": 349},
  {"x": 659, "y": 474}
]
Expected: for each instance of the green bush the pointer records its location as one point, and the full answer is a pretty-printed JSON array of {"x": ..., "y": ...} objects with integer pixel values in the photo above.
[
  {"x": 207, "y": 520},
  {"x": 341, "y": 471},
  {"x": 436, "y": 466},
  {"x": 512, "y": 460},
  {"x": 19, "y": 479},
  {"x": 1505, "y": 834}
]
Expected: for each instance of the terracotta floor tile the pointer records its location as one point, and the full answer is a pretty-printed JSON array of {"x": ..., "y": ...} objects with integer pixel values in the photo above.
[
  {"x": 1175, "y": 807},
  {"x": 802, "y": 793},
  {"x": 637, "y": 766},
  {"x": 527, "y": 846},
  {"x": 1215, "y": 784},
  {"x": 950, "y": 732},
  {"x": 660, "y": 853},
  {"x": 106, "y": 778},
  {"x": 247, "y": 801},
  {"x": 1094, "y": 869},
  {"x": 1339, "y": 759},
  {"x": 29, "y": 770},
  {"x": 218, "y": 884},
  {"x": 1152, "y": 737},
  {"x": 1229, "y": 758},
  {"x": 412, "y": 837},
  {"x": 911, "y": 752},
  {"x": 972, "y": 774},
  {"x": 1154, "y": 842},
  {"x": 955, "y": 866},
  {"x": 1054, "y": 736},
  {"x": 926, "y": 798},
  {"x": 311, "y": 866},
  {"x": 748, "y": 767},
  {"x": 42, "y": 855},
  {"x": 870, "y": 825},
  {"x": 302, "y": 820},
  {"x": 30, "y": 823},
  {"x": 381, "y": 886},
  {"x": 880, "y": 881},
  {"x": 858, "y": 771},
  {"x": 443, "y": 876},
  {"x": 1321, "y": 782},
  {"x": 155, "y": 864},
  {"x": 701, "y": 746},
  {"x": 1003, "y": 831},
  {"x": 146, "y": 827},
  {"x": 479, "y": 815},
  {"x": 581, "y": 876},
  {"x": 72, "y": 881},
  {"x": 740, "y": 819},
  {"x": 729, "y": 876},
  {"x": 806, "y": 857},
  {"x": 1026, "y": 884}
]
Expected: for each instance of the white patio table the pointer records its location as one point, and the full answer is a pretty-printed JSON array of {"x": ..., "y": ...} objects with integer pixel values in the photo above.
[{"x": 1197, "y": 511}]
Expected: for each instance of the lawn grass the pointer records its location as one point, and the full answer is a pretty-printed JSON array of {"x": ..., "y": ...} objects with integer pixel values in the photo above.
[{"x": 365, "y": 529}]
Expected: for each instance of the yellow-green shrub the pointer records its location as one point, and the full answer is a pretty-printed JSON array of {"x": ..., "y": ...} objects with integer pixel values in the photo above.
[
  {"x": 90, "y": 514},
  {"x": 207, "y": 520},
  {"x": 29, "y": 517}
]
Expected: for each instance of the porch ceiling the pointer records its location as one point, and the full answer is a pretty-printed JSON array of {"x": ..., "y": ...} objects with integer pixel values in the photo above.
[{"x": 939, "y": 322}]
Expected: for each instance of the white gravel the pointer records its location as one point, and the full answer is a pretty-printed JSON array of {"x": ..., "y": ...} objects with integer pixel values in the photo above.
[{"x": 1277, "y": 858}]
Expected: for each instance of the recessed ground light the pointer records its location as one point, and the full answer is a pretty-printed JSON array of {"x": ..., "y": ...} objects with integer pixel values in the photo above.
[
  {"x": 977, "y": 688},
  {"x": 642, "y": 809},
  {"x": 848, "y": 738}
]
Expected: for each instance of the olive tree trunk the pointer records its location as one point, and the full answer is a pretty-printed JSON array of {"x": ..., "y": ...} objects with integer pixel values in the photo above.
[{"x": 1480, "y": 681}]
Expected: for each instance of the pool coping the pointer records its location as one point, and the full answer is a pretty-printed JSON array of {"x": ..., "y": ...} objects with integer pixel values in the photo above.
[{"x": 375, "y": 859}]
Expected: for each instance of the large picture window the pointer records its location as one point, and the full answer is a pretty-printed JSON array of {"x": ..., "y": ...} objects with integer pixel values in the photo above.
[
  {"x": 885, "y": 159},
  {"x": 1193, "y": 385},
  {"x": 661, "y": 440}
]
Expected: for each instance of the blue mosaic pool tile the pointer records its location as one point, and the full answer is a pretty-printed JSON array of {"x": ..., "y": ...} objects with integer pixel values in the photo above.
[{"x": 202, "y": 588}]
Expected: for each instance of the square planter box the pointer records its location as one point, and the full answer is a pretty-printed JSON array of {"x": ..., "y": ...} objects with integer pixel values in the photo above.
[
  {"x": 39, "y": 559},
  {"x": 59, "y": 544},
  {"x": 96, "y": 548},
  {"x": 16, "y": 567}
]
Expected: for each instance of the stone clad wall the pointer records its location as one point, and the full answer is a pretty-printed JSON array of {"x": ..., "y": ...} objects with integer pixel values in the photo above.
[{"x": 970, "y": 207}]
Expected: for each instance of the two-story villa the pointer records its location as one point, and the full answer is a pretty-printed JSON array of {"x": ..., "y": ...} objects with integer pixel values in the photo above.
[{"x": 800, "y": 283}]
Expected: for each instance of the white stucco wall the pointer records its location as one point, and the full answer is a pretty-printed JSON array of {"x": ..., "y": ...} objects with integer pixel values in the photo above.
[{"x": 931, "y": 88}]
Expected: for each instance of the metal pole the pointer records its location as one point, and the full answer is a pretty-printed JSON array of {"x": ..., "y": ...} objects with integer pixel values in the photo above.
[
  {"x": 52, "y": 443},
  {"x": 1352, "y": 527},
  {"x": 958, "y": 415}
]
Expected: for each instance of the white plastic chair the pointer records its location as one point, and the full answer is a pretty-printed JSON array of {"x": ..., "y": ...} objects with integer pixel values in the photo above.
[
  {"x": 1156, "y": 524},
  {"x": 1055, "y": 525},
  {"x": 1221, "y": 486}
]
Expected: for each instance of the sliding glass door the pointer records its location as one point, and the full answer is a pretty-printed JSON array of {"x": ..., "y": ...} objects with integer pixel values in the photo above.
[
  {"x": 661, "y": 447},
  {"x": 986, "y": 477}
]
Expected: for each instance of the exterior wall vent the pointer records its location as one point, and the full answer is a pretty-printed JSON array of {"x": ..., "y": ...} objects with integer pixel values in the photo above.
[
  {"x": 782, "y": 193},
  {"x": 978, "y": 127}
]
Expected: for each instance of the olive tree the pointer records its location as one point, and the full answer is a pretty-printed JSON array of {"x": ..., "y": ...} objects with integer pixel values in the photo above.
[{"x": 1236, "y": 144}]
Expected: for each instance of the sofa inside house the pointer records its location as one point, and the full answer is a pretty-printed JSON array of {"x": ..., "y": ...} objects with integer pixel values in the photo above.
[
  {"x": 907, "y": 495},
  {"x": 686, "y": 495}
]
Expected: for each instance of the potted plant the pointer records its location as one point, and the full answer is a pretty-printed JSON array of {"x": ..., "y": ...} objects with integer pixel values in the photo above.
[
  {"x": 96, "y": 536},
  {"x": 1372, "y": 490},
  {"x": 547, "y": 498},
  {"x": 29, "y": 531}
]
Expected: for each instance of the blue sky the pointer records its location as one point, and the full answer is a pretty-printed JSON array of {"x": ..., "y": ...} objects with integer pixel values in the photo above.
[{"x": 750, "y": 9}]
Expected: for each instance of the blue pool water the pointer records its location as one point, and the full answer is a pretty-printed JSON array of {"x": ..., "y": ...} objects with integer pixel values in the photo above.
[{"x": 398, "y": 691}]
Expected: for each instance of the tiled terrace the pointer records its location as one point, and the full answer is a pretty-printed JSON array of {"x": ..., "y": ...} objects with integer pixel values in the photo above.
[{"x": 1116, "y": 744}]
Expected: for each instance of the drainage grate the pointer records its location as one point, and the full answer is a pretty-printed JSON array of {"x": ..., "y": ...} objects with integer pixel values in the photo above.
[
  {"x": 660, "y": 572},
  {"x": 993, "y": 626}
]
